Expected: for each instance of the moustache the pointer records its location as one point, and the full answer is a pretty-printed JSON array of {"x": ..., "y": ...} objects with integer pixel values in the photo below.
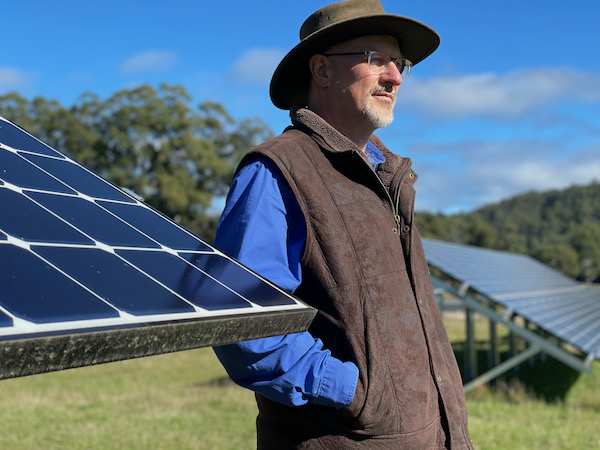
[{"x": 386, "y": 89}]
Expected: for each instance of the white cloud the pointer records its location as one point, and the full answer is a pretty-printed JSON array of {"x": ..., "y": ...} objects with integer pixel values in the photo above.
[
  {"x": 508, "y": 96},
  {"x": 12, "y": 79},
  {"x": 149, "y": 61},
  {"x": 257, "y": 65},
  {"x": 469, "y": 175}
]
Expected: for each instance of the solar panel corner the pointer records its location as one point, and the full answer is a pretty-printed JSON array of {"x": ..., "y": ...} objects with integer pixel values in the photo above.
[{"x": 90, "y": 274}]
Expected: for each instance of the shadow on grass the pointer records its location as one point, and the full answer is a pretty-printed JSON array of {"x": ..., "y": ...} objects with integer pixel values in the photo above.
[
  {"x": 223, "y": 381},
  {"x": 545, "y": 379}
]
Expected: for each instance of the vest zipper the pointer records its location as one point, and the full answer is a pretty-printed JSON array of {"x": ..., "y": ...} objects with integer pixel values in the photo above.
[{"x": 394, "y": 205}]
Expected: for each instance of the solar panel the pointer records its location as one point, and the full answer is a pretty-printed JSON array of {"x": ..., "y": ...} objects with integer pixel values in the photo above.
[
  {"x": 90, "y": 274},
  {"x": 558, "y": 304}
]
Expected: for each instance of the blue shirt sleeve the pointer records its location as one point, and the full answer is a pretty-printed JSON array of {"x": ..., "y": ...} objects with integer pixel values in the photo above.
[{"x": 262, "y": 226}]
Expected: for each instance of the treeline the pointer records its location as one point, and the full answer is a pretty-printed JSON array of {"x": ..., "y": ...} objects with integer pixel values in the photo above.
[
  {"x": 561, "y": 228},
  {"x": 155, "y": 142}
]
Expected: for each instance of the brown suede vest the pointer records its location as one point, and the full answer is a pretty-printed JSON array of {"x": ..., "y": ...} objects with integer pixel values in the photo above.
[{"x": 364, "y": 269}]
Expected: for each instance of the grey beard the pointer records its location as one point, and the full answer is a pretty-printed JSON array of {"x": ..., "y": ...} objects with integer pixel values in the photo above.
[{"x": 378, "y": 120}]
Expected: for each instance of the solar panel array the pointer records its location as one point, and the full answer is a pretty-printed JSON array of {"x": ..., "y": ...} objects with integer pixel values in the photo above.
[
  {"x": 558, "y": 304},
  {"x": 79, "y": 255}
]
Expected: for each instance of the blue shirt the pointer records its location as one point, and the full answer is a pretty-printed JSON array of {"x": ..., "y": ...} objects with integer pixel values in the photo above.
[{"x": 262, "y": 226}]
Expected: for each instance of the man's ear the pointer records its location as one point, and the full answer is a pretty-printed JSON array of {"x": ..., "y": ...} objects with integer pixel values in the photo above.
[{"x": 320, "y": 70}]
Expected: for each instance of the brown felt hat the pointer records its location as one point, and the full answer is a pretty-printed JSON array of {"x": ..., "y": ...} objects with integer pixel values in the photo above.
[{"x": 337, "y": 23}]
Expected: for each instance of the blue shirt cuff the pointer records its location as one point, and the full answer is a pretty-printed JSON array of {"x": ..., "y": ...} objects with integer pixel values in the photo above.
[{"x": 338, "y": 384}]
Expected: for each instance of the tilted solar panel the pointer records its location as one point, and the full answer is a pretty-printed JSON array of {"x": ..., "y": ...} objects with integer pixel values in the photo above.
[
  {"x": 89, "y": 274},
  {"x": 558, "y": 304}
]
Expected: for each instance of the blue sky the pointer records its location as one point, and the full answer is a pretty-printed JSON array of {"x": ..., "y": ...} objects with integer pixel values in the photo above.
[{"x": 509, "y": 103}]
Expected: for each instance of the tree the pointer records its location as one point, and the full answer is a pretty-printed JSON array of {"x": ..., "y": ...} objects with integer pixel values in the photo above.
[
  {"x": 559, "y": 256},
  {"x": 480, "y": 232},
  {"x": 585, "y": 240}
]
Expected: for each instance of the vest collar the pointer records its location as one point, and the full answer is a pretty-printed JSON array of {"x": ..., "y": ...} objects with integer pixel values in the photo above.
[
  {"x": 332, "y": 140},
  {"x": 327, "y": 136}
]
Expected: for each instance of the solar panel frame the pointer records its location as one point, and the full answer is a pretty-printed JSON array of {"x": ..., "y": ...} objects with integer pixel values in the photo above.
[
  {"x": 525, "y": 286},
  {"x": 91, "y": 274}
]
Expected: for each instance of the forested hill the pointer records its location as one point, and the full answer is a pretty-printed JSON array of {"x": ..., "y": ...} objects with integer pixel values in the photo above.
[{"x": 560, "y": 228}]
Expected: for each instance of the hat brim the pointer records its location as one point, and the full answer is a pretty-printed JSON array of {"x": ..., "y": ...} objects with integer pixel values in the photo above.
[{"x": 290, "y": 82}]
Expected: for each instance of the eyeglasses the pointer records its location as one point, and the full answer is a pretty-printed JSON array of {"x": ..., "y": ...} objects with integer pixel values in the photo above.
[{"x": 379, "y": 62}]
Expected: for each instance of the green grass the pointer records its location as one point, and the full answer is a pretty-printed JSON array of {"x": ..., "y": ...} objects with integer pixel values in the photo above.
[
  {"x": 178, "y": 401},
  {"x": 185, "y": 401},
  {"x": 545, "y": 405}
]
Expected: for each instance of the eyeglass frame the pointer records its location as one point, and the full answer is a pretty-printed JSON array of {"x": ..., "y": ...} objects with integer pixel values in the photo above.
[{"x": 406, "y": 64}]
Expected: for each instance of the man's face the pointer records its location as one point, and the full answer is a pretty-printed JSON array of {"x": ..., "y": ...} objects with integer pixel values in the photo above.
[{"x": 360, "y": 94}]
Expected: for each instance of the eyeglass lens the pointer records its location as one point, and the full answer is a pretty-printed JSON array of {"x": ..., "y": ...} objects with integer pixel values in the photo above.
[{"x": 378, "y": 62}]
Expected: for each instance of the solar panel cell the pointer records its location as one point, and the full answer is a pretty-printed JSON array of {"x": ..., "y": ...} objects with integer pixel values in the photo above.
[
  {"x": 30, "y": 222},
  {"x": 155, "y": 226},
  {"x": 16, "y": 137},
  {"x": 34, "y": 291},
  {"x": 21, "y": 173},
  {"x": 5, "y": 320},
  {"x": 583, "y": 330},
  {"x": 186, "y": 280},
  {"x": 237, "y": 279},
  {"x": 95, "y": 222},
  {"x": 78, "y": 178},
  {"x": 115, "y": 281}
]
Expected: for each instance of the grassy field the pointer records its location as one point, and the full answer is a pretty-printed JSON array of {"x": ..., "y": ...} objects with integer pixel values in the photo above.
[
  {"x": 176, "y": 401},
  {"x": 185, "y": 401}
]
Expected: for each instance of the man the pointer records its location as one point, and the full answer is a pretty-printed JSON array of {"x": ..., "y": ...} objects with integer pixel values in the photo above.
[{"x": 325, "y": 210}]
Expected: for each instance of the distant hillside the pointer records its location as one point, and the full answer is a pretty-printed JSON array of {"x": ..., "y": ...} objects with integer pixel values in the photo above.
[{"x": 560, "y": 228}]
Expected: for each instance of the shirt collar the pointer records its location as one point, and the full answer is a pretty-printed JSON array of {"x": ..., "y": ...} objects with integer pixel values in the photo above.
[{"x": 374, "y": 155}]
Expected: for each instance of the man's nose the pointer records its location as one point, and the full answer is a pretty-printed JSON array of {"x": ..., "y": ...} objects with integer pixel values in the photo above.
[{"x": 392, "y": 74}]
